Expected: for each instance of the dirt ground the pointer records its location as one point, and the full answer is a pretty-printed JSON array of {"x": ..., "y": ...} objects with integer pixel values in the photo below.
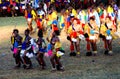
[{"x": 80, "y": 67}]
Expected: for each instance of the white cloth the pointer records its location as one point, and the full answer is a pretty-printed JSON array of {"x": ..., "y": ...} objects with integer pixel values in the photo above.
[
  {"x": 23, "y": 7},
  {"x": 109, "y": 37},
  {"x": 16, "y": 8},
  {"x": 74, "y": 39},
  {"x": 29, "y": 55},
  {"x": 81, "y": 37},
  {"x": 59, "y": 53},
  {"x": 92, "y": 37},
  {"x": 41, "y": 12},
  {"x": 29, "y": 19},
  {"x": 4, "y": 7},
  {"x": 22, "y": 52}
]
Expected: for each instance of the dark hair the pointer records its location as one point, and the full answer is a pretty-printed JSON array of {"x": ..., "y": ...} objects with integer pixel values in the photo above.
[
  {"x": 15, "y": 30},
  {"x": 108, "y": 17},
  {"x": 40, "y": 33},
  {"x": 92, "y": 18},
  {"x": 27, "y": 30}
]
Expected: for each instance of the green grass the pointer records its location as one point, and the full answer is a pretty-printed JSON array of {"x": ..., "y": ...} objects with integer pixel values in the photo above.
[{"x": 104, "y": 67}]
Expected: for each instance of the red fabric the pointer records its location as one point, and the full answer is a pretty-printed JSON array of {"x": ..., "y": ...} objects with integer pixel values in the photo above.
[
  {"x": 73, "y": 34},
  {"x": 8, "y": 9},
  {"x": 39, "y": 24},
  {"x": 11, "y": 2},
  {"x": 87, "y": 39},
  {"x": 105, "y": 43},
  {"x": 83, "y": 25},
  {"x": 102, "y": 16},
  {"x": 68, "y": 24},
  {"x": 81, "y": 32},
  {"x": 85, "y": 1},
  {"x": 88, "y": 46},
  {"x": 57, "y": 49},
  {"x": 71, "y": 47},
  {"x": 55, "y": 27}
]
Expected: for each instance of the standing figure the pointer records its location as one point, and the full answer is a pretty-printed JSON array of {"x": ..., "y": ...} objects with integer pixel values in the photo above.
[
  {"x": 91, "y": 32},
  {"x": 73, "y": 36},
  {"x": 42, "y": 49},
  {"x": 27, "y": 51},
  {"x": 107, "y": 31},
  {"x": 29, "y": 16},
  {"x": 16, "y": 41}
]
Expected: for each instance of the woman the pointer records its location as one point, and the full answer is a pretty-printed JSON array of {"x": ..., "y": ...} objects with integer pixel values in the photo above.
[
  {"x": 107, "y": 31},
  {"x": 91, "y": 32},
  {"x": 73, "y": 33}
]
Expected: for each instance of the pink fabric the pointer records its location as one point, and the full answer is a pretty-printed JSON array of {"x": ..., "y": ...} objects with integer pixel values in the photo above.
[
  {"x": 15, "y": 50},
  {"x": 50, "y": 52}
]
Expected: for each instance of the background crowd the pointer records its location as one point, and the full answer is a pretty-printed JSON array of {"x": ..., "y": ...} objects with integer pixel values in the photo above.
[{"x": 17, "y": 7}]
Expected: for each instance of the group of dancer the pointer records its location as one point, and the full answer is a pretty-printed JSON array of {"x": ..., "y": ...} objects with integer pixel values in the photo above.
[
  {"x": 91, "y": 25},
  {"x": 26, "y": 48}
]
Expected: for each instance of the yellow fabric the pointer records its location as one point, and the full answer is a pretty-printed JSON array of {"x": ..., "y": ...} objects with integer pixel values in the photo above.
[
  {"x": 54, "y": 15},
  {"x": 23, "y": 39},
  {"x": 83, "y": 12},
  {"x": 103, "y": 30},
  {"x": 66, "y": 11},
  {"x": 52, "y": 1},
  {"x": 110, "y": 9},
  {"x": 114, "y": 35},
  {"x": 86, "y": 29},
  {"x": 0, "y": 1},
  {"x": 12, "y": 40},
  {"x": 17, "y": 1},
  {"x": 98, "y": 9},
  {"x": 74, "y": 12},
  {"x": 58, "y": 45},
  {"x": 34, "y": 14},
  {"x": 40, "y": 16},
  {"x": 62, "y": 21},
  {"x": 69, "y": 30}
]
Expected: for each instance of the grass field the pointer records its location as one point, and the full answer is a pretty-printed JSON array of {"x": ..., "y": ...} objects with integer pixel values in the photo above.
[{"x": 80, "y": 67}]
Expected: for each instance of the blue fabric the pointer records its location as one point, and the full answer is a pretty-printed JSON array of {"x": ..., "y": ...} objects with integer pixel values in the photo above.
[
  {"x": 6, "y": 3},
  {"x": 62, "y": 24},
  {"x": 92, "y": 32},
  {"x": 0, "y": 5},
  {"x": 29, "y": 15},
  {"x": 15, "y": 44},
  {"x": 108, "y": 32},
  {"x": 40, "y": 20},
  {"x": 42, "y": 50},
  {"x": 112, "y": 14},
  {"x": 97, "y": 19},
  {"x": 68, "y": 19},
  {"x": 35, "y": 4},
  {"x": 118, "y": 16},
  {"x": 24, "y": 45},
  {"x": 55, "y": 22},
  {"x": 47, "y": 0},
  {"x": 49, "y": 47}
]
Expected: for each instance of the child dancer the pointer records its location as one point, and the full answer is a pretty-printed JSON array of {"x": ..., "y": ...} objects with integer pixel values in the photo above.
[{"x": 16, "y": 41}]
